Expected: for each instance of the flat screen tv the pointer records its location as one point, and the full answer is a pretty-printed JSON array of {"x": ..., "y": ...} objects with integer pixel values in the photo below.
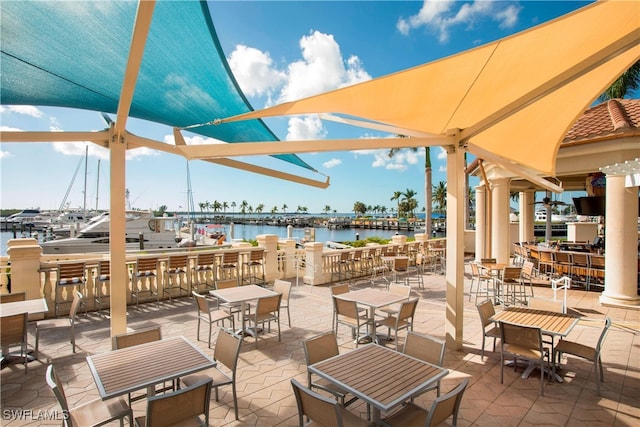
[{"x": 589, "y": 206}]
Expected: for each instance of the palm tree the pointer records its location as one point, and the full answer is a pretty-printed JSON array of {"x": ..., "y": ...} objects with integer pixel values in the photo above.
[
  {"x": 427, "y": 183},
  {"x": 284, "y": 208},
  {"x": 243, "y": 207},
  {"x": 440, "y": 196},
  {"x": 225, "y": 206},
  {"x": 359, "y": 208},
  {"x": 628, "y": 82},
  {"x": 259, "y": 208},
  {"x": 409, "y": 201},
  {"x": 233, "y": 206},
  {"x": 274, "y": 210},
  {"x": 202, "y": 205},
  {"x": 216, "y": 206},
  {"x": 396, "y": 196},
  {"x": 326, "y": 209}
]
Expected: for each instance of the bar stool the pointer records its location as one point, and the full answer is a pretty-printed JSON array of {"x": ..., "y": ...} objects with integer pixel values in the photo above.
[
  {"x": 101, "y": 283},
  {"x": 143, "y": 276},
  {"x": 228, "y": 267},
  {"x": 70, "y": 275},
  {"x": 177, "y": 275},
  {"x": 340, "y": 267},
  {"x": 254, "y": 267},
  {"x": 203, "y": 271}
]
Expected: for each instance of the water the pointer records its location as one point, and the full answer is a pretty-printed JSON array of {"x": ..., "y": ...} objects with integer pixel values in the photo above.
[{"x": 250, "y": 231}]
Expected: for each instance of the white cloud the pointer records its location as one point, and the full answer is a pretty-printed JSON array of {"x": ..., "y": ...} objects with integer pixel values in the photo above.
[
  {"x": 192, "y": 140},
  {"x": 440, "y": 16},
  {"x": 442, "y": 154},
  {"x": 10, "y": 129},
  {"x": 305, "y": 128},
  {"x": 254, "y": 71},
  {"x": 5, "y": 154},
  {"x": 321, "y": 68},
  {"x": 27, "y": 110},
  {"x": 332, "y": 163},
  {"x": 442, "y": 168}
]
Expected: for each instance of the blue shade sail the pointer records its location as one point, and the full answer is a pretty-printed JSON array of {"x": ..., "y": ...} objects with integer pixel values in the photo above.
[{"x": 74, "y": 53}]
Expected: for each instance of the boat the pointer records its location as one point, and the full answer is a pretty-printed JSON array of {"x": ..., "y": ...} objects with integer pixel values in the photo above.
[{"x": 156, "y": 233}]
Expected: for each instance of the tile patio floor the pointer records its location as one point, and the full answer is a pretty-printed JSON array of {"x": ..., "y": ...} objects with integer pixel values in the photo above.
[{"x": 265, "y": 397}]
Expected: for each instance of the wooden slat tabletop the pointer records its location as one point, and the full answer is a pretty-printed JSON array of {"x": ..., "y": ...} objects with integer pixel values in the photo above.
[
  {"x": 31, "y": 306},
  {"x": 133, "y": 368},
  {"x": 381, "y": 376},
  {"x": 242, "y": 293},
  {"x": 372, "y": 297},
  {"x": 548, "y": 321}
]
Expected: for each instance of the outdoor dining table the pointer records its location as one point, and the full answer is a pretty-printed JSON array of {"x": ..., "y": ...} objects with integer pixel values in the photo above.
[
  {"x": 242, "y": 295},
  {"x": 382, "y": 377},
  {"x": 373, "y": 299},
  {"x": 142, "y": 366},
  {"x": 550, "y": 323},
  {"x": 30, "y": 306}
]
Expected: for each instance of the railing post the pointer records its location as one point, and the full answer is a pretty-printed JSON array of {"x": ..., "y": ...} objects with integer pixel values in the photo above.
[
  {"x": 270, "y": 244},
  {"x": 314, "y": 273},
  {"x": 24, "y": 256}
]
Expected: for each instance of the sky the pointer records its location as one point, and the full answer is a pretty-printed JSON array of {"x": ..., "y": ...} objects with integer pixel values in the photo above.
[{"x": 277, "y": 51}]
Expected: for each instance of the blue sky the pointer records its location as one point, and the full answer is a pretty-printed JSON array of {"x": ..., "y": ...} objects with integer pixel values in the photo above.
[{"x": 278, "y": 51}]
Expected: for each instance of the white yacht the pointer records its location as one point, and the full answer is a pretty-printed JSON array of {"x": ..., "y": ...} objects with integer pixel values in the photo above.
[{"x": 157, "y": 233}]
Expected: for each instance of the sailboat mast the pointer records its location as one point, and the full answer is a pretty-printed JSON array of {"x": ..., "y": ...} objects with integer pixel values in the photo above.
[
  {"x": 98, "y": 185},
  {"x": 86, "y": 157}
]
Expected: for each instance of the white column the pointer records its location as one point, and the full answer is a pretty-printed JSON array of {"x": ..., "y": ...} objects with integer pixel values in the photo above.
[
  {"x": 481, "y": 224},
  {"x": 454, "y": 315},
  {"x": 500, "y": 220},
  {"x": 270, "y": 244},
  {"x": 621, "y": 243},
  {"x": 527, "y": 216}
]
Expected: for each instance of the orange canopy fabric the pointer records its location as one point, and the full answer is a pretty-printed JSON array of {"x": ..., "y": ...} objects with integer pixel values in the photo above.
[{"x": 515, "y": 98}]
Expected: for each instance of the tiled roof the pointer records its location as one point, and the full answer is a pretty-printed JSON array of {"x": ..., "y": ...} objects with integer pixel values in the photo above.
[{"x": 615, "y": 117}]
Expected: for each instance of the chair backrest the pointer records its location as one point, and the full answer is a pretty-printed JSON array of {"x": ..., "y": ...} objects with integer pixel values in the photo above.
[
  {"x": 267, "y": 305},
  {"x": 205, "y": 259},
  {"x": 446, "y": 405},
  {"x": 511, "y": 274},
  {"x": 425, "y": 347},
  {"x": 187, "y": 403},
  {"x": 339, "y": 289},
  {"x": 56, "y": 387},
  {"x": 257, "y": 255},
  {"x": 486, "y": 310},
  {"x": 475, "y": 269},
  {"x": 226, "y": 283},
  {"x": 75, "y": 305},
  {"x": 71, "y": 273},
  {"x": 14, "y": 297},
  {"x": 400, "y": 263},
  {"x": 596, "y": 261},
  {"x": 13, "y": 329},
  {"x": 400, "y": 289},
  {"x": 282, "y": 287},
  {"x": 528, "y": 270},
  {"x": 144, "y": 265},
  {"x": 104, "y": 270},
  {"x": 546, "y": 304},
  {"x": 603, "y": 335},
  {"x": 177, "y": 262},
  {"x": 229, "y": 258},
  {"x": 546, "y": 256},
  {"x": 137, "y": 337},
  {"x": 581, "y": 260},
  {"x": 563, "y": 257},
  {"x": 227, "y": 350},
  {"x": 320, "y": 347},
  {"x": 407, "y": 310},
  {"x": 521, "y": 337},
  {"x": 202, "y": 305},
  {"x": 318, "y": 408},
  {"x": 346, "y": 308}
]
